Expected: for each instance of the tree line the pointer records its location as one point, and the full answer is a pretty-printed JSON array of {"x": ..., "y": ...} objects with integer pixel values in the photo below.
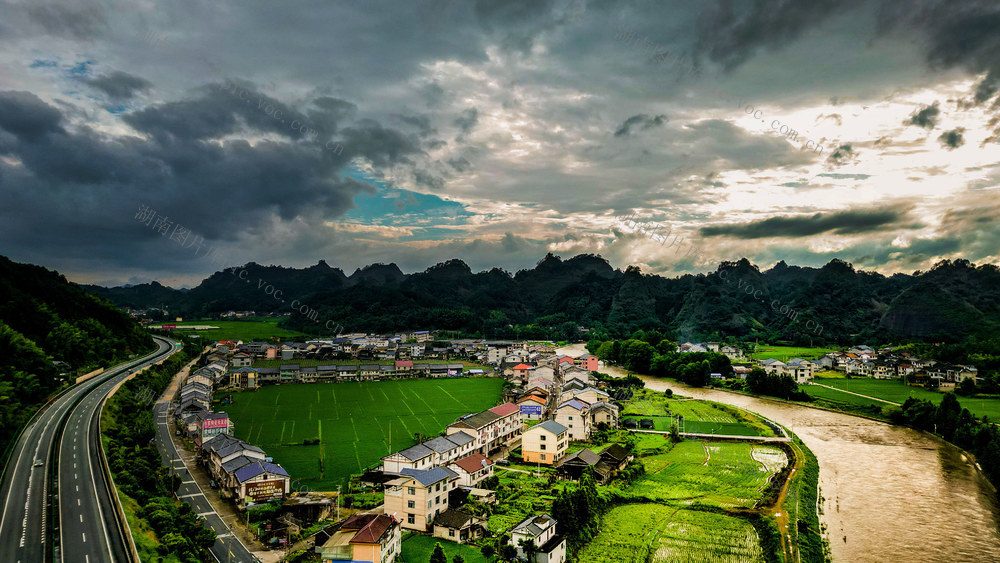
[{"x": 129, "y": 426}]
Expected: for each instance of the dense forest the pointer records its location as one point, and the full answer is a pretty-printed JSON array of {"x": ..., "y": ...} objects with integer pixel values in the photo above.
[
  {"x": 562, "y": 299},
  {"x": 49, "y": 327}
]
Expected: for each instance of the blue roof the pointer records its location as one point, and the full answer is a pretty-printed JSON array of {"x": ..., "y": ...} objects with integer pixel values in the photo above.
[
  {"x": 552, "y": 426},
  {"x": 428, "y": 477},
  {"x": 576, "y": 404},
  {"x": 254, "y": 469}
]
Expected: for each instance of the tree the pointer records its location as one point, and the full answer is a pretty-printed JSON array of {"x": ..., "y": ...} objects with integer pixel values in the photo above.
[
  {"x": 487, "y": 551},
  {"x": 529, "y": 548},
  {"x": 508, "y": 552},
  {"x": 674, "y": 435},
  {"x": 438, "y": 556},
  {"x": 756, "y": 381},
  {"x": 457, "y": 559}
]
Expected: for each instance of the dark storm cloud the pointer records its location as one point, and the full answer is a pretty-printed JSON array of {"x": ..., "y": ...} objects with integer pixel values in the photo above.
[
  {"x": 119, "y": 85},
  {"x": 86, "y": 186},
  {"x": 647, "y": 122},
  {"x": 958, "y": 33},
  {"x": 378, "y": 144},
  {"x": 467, "y": 120},
  {"x": 842, "y": 223},
  {"x": 731, "y": 32},
  {"x": 952, "y": 139},
  {"x": 27, "y": 116},
  {"x": 926, "y": 117},
  {"x": 79, "y": 22}
]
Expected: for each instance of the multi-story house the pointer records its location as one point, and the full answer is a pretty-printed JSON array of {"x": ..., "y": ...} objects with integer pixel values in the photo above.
[
  {"x": 363, "y": 537},
  {"x": 575, "y": 416},
  {"x": 472, "y": 469},
  {"x": 541, "y": 531},
  {"x": 544, "y": 442},
  {"x": 419, "y": 495}
]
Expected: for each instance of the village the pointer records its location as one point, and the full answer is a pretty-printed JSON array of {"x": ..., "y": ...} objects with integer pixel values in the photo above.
[{"x": 552, "y": 407}]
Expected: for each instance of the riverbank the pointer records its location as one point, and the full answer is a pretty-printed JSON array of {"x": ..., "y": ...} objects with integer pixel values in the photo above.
[{"x": 918, "y": 488}]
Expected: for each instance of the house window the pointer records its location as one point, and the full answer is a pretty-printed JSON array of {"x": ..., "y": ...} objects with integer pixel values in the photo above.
[
  {"x": 543, "y": 457},
  {"x": 411, "y": 504},
  {"x": 542, "y": 437},
  {"x": 451, "y": 533},
  {"x": 410, "y": 519},
  {"x": 429, "y": 503},
  {"x": 410, "y": 491},
  {"x": 438, "y": 487},
  {"x": 543, "y": 446},
  {"x": 437, "y": 500}
]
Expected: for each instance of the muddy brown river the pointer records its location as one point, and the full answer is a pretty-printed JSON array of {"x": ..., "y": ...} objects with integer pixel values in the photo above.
[{"x": 889, "y": 493}]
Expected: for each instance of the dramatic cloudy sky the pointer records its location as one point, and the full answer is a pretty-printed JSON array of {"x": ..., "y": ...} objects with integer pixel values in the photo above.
[{"x": 496, "y": 131}]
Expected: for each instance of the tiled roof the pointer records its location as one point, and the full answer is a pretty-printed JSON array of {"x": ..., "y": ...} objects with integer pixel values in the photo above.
[
  {"x": 248, "y": 472},
  {"x": 416, "y": 452},
  {"x": 237, "y": 462},
  {"x": 452, "y": 518},
  {"x": 523, "y": 366},
  {"x": 505, "y": 409},
  {"x": 460, "y": 438},
  {"x": 440, "y": 444},
  {"x": 551, "y": 426},
  {"x": 576, "y": 404},
  {"x": 478, "y": 420},
  {"x": 372, "y": 533},
  {"x": 427, "y": 477},
  {"x": 535, "y": 525},
  {"x": 473, "y": 463}
]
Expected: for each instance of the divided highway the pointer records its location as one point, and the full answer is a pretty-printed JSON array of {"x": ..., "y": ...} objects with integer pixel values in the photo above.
[{"x": 60, "y": 448}]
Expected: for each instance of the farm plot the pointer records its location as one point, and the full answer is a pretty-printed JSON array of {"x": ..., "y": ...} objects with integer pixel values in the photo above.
[
  {"x": 701, "y": 417},
  {"x": 721, "y": 474},
  {"x": 356, "y": 423},
  {"x": 643, "y": 532},
  {"x": 522, "y": 495}
]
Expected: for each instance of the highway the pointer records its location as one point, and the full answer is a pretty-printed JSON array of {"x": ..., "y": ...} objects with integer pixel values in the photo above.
[
  {"x": 64, "y": 436},
  {"x": 227, "y": 547}
]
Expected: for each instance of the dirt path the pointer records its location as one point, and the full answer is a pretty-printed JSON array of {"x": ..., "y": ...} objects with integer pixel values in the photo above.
[{"x": 853, "y": 393}]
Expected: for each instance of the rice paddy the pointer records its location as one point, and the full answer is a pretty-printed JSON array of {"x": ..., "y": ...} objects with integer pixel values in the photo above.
[{"x": 356, "y": 423}]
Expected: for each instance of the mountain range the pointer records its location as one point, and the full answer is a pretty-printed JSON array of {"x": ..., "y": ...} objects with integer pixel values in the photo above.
[{"x": 557, "y": 298}]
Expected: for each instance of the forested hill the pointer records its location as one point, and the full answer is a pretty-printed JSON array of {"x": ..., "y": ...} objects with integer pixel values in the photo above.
[
  {"x": 786, "y": 303},
  {"x": 44, "y": 318}
]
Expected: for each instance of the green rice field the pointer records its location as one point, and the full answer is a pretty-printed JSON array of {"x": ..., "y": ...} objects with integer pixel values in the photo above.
[
  {"x": 260, "y": 329},
  {"x": 701, "y": 417},
  {"x": 648, "y": 532},
  {"x": 894, "y": 391},
  {"x": 419, "y": 548},
  {"x": 719, "y": 474},
  {"x": 353, "y": 421},
  {"x": 784, "y": 353}
]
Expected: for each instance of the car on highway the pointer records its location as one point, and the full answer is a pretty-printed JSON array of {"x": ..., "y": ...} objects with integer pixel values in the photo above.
[{"x": 38, "y": 463}]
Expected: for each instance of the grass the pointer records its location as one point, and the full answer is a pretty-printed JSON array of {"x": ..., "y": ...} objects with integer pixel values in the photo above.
[
  {"x": 702, "y": 417},
  {"x": 353, "y": 361},
  {"x": 717, "y": 474},
  {"x": 894, "y": 391},
  {"x": 418, "y": 549},
  {"x": 521, "y": 495},
  {"x": 352, "y": 420},
  {"x": 261, "y": 329},
  {"x": 637, "y": 533},
  {"x": 784, "y": 353}
]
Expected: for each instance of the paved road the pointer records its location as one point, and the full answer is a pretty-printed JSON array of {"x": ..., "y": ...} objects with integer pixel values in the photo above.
[
  {"x": 227, "y": 547},
  {"x": 24, "y": 522}
]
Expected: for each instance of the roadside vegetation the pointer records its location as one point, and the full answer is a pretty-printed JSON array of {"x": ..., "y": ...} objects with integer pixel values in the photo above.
[{"x": 164, "y": 528}]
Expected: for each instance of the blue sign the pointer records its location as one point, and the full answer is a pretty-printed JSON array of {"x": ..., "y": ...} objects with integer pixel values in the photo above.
[{"x": 529, "y": 410}]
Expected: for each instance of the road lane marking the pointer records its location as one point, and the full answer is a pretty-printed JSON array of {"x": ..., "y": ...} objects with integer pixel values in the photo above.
[
  {"x": 84, "y": 537},
  {"x": 78, "y": 502}
]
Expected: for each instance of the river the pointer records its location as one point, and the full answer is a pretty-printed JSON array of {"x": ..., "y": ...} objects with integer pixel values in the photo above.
[{"x": 889, "y": 493}]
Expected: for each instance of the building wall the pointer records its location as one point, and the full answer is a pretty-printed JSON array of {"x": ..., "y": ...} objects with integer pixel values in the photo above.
[{"x": 532, "y": 452}]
